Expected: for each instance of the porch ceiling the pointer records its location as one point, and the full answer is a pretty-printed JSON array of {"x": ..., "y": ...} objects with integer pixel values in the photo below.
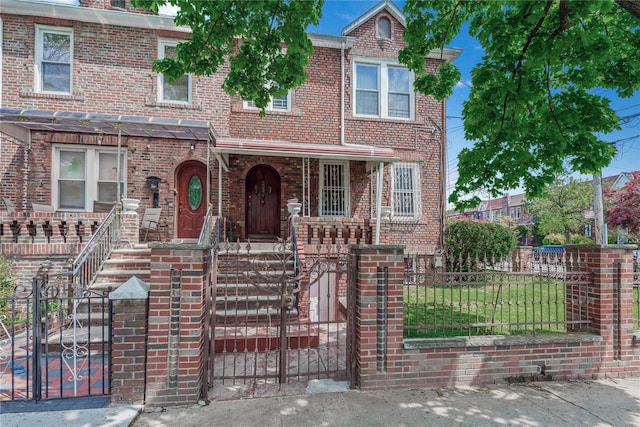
[
  {"x": 106, "y": 124},
  {"x": 256, "y": 147}
]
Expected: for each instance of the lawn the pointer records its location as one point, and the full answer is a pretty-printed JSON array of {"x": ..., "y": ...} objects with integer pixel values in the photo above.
[{"x": 487, "y": 304}]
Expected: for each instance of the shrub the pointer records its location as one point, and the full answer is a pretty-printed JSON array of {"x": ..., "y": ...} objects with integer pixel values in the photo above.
[
  {"x": 475, "y": 240},
  {"x": 579, "y": 239},
  {"x": 554, "y": 239},
  {"x": 7, "y": 282}
]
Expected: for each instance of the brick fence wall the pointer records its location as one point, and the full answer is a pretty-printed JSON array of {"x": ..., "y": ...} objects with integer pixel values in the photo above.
[{"x": 386, "y": 360}]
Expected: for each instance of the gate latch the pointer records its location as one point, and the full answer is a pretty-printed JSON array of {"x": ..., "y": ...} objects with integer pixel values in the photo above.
[{"x": 288, "y": 302}]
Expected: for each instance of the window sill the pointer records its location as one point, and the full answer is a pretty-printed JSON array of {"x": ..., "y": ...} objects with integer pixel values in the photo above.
[
  {"x": 76, "y": 96},
  {"x": 384, "y": 119},
  {"x": 173, "y": 105}
]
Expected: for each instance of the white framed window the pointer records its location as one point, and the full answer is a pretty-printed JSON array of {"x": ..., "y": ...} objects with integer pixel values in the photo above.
[
  {"x": 587, "y": 230},
  {"x": 383, "y": 90},
  {"x": 518, "y": 212},
  {"x": 281, "y": 103},
  {"x": 81, "y": 175},
  {"x": 405, "y": 184},
  {"x": 180, "y": 90},
  {"x": 334, "y": 188},
  {"x": 54, "y": 59}
]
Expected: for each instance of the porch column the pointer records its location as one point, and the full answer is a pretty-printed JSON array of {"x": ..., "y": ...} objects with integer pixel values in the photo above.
[{"x": 379, "y": 201}]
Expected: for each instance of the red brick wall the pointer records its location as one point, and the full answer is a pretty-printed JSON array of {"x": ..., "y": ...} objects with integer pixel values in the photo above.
[{"x": 175, "y": 346}]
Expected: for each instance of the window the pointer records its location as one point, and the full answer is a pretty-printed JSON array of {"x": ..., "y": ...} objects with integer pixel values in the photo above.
[
  {"x": 178, "y": 91},
  {"x": 384, "y": 28},
  {"x": 587, "y": 230},
  {"x": 84, "y": 174},
  {"x": 383, "y": 90},
  {"x": 512, "y": 212},
  {"x": 518, "y": 212},
  {"x": 54, "y": 59},
  {"x": 334, "y": 189},
  {"x": 405, "y": 182},
  {"x": 281, "y": 103}
]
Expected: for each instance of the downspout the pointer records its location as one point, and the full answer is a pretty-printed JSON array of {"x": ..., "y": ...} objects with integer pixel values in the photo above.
[
  {"x": 119, "y": 172},
  {"x": 208, "y": 169},
  {"x": 443, "y": 174}
]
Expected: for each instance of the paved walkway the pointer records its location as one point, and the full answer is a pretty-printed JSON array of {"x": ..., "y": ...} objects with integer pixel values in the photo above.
[{"x": 541, "y": 404}]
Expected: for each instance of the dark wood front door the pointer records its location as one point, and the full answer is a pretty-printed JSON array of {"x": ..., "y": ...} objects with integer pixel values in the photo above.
[
  {"x": 262, "y": 201},
  {"x": 191, "y": 200}
]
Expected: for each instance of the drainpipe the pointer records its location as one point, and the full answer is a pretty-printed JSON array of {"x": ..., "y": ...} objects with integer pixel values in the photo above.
[{"x": 208, "y": 168}]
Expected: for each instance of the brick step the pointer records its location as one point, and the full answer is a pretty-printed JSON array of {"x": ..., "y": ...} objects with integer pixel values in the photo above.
[
  {"x": 245, "y": 302},
  {"x": 248, "y": 289},
  {"x": 138, "y": 251},
  {"x": 261, "y": 338},
  {"x": 252, "y": 317},
  {"x": 137, "y": 263},
  {"x": 95, "y": 335}
]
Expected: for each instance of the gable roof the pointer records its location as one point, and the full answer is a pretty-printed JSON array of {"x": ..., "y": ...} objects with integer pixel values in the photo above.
[{"x": 386, "y": 4}]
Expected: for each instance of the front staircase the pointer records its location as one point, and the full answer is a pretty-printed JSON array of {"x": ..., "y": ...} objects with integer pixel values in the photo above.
[{"x": 249, "y": 300}]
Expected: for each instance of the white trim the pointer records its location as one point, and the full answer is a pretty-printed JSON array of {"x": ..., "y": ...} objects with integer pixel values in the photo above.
[
  {"x": 39, "y": 34},
  {"x": 383, "y": 88},
  {"x": 162, "y": 45},
  {"x": 345, "y": 187},
  {"x": 415, "y": 191}
]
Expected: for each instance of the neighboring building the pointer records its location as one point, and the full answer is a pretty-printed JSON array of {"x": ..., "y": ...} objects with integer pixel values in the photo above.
[{"x": 80, "y": 103}]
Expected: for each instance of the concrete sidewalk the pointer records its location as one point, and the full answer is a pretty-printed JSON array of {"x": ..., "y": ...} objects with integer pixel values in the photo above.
[{"x": 575, "y": 403}]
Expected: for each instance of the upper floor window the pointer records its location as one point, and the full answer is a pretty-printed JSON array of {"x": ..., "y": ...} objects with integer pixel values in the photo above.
[
  {"x": 383, "y": 90},
  {"x": 281, "y": 103},
  {"x": 405, "y": 182},
  {"x": 384, "y": 28},
  {"x": 334, "y": 188},
  {"x": 179, "y": 90},
  {"x": 84, "y": 174},
  {"x": 54, "y": 59}
]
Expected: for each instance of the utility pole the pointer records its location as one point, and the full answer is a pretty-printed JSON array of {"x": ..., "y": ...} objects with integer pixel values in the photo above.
[{"x": 599, "y": 229}]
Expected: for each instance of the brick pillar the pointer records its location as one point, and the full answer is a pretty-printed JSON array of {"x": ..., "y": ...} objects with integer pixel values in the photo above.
[
  {"x": 129, "y": 342},
  {"x": 175, "y": 359},
  {"x": 129, "y": 229},
  {"x": 609, "y": 297},
  {"x": 379, "y": 315}
]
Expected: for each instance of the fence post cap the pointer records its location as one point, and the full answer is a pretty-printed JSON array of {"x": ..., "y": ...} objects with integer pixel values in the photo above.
[{"x": 134, "y": 288}]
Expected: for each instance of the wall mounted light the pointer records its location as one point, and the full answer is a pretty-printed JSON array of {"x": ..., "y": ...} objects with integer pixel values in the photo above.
[{"x": 153, "y": 183}]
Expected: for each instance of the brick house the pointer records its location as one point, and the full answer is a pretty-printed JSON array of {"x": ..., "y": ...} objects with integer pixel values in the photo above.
[{"x": 81, "y": 106}]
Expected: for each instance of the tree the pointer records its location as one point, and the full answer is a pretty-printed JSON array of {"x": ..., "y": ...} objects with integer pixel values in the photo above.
[
  {"x": 534, "y": 101},
  {"x": 561, "y": 208},
  {"x": 624, "y": 210},
  {"x": 260, "y": 67}
]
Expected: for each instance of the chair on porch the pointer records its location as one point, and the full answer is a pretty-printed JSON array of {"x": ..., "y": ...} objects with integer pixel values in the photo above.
[
  {"x": 8, "y": 204},
  {"x": 150, "y": 221}
]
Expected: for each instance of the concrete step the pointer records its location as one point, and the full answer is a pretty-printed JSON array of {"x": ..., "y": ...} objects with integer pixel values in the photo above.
[{"x": 252, "y": 317}]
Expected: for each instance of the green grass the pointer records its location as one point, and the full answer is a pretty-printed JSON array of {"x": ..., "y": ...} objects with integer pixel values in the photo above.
[{"x": 485, "y": 304}]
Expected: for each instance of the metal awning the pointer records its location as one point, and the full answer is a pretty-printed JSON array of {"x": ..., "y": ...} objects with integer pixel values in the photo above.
[
  {"x": 254, "y": 147},
  {"x": 194, "y": 130},
  {"x": 106, "y": 124}
]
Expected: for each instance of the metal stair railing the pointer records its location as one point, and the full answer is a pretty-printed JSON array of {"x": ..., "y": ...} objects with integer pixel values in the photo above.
[{"x": 88, "y": 263}]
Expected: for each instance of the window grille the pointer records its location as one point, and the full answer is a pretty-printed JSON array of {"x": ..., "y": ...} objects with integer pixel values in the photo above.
[
  {"x": 406, "y": 191},
  {"x": 334, "y": 189}
]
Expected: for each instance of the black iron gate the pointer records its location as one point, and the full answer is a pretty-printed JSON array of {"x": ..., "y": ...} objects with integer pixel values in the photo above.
[
  {"x": 54, "y": 340},
  {"x": 277, "y": 318}
]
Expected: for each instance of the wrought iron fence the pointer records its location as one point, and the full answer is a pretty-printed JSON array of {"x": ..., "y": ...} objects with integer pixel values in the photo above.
[
  {"x": 497, "y": 297},
  {"x": 54, "y": 340},
  {"x": 88, "y": 263}
]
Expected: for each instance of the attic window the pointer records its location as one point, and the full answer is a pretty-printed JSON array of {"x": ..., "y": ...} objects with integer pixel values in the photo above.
[{"x": 384, "y": 28}]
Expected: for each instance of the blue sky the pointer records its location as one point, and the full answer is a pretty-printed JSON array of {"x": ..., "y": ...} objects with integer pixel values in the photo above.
[{"x": 337, "y": 14}]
